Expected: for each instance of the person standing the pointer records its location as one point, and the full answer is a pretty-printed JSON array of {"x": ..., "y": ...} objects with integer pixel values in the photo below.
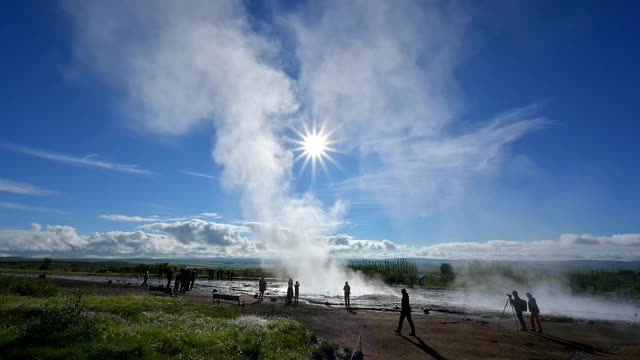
[
  {"x": 169, "y": 272},
  {"x": 262, "y": 286},
  {"x": 535, "y": 313},
  {"x": 289, "y": 291},
  {"x": 192, "y": 278},
  {"x": 146, "y": 277},
  {"x": 176, "y": 285},
  {"x": 405, "y": 312},
  {"x": 519, "y": 305},
  {"x": 297, "y": 291},
  {"x": 347, "y": 293}
]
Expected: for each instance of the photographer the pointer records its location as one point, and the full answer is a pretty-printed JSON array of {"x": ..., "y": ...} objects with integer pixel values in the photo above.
[{"x": 519, "y": 305}]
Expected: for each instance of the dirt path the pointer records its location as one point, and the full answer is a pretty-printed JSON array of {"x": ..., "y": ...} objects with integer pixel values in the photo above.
[{"x": 439, "y": 336}]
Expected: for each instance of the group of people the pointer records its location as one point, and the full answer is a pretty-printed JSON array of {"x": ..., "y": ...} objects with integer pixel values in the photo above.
[
  {"x": 520, "y": 306},
  {"x": 293, "y": 291},
  {"x": 219, "y": 274},
  {"x": 185, "y": 278},
  {"x": 292, "y": 295}
]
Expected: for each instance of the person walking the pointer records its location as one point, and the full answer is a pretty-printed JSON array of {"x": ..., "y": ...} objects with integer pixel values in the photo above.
[
  {"x": 519, "y": 305},
  {"x": 262, "y": 286},
  {"x": 405, "y": 312},
  {"x": 297, "y": 291},
  {"x": 535, "y": 313},
  {"x": 347, "y": 293}
]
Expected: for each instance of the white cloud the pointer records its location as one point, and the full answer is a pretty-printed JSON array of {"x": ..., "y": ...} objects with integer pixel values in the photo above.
[
  {"x": 23, "y": 188},
  {"x": 568, "y": 247},
  {"x": 126, "y": 218},
  {"x": 198, "y": 238},
  {"x": 382, "y": 74},
  {"x": 210, "y": 215},
  {"x": 193, "y": 239},
  {"x": 16, "y": 206},
  {"x": 200, "y": 231},
  {"x": 86, "y": 161},
  {"x": 193, "y": 173}
]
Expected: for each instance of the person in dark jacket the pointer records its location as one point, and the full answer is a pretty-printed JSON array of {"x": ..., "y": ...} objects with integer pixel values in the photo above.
[
  {"x": 347, "y": 293},
  {"x": 405, "y": 312},
  {"x": 535, "y": 313},
  {"x": 519, "y": 305},
  {"x": 192, "y": 278},
  {"x": 296, "y": 291},
  {"x": 262, "y": 286},
  {"x": 176, "y": 286},
  {"x": 146, "y": 277},
  {"x": 289, "y": 291},
  {"x": 169, "y": 272}
]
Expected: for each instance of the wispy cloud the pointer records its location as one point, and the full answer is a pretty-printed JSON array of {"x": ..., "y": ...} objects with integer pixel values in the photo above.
[
  {"x": 16, "y": 206},
  {"x": 23, "y": 188},
  {"x": 193, "y": 173},
  {"x": 86, "y": 161},
  {"x": 126, "y": 218},
  {"x": 210, "y": 215}
]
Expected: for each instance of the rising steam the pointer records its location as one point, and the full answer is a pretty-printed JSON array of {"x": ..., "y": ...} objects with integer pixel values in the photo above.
[{"x": 380, "y": 71}]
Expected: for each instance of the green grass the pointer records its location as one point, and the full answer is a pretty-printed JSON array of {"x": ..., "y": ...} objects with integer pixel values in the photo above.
[
  {"x": 24, "y": 285},
  {"x": 80, "y": 326}
]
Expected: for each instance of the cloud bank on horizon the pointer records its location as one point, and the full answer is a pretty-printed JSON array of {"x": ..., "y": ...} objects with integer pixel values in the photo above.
[
  {"x": 378, "y": 73},
  {"x": 198, "y": 238}
]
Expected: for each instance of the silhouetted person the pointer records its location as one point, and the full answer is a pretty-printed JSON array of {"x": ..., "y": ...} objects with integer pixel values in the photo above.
[
  {"x": 184, "y": 284},
  {"x": 519, "y": 305},
  {"x": 535, "y": 313},
  {"x": 405, "y": 312},
  {"x": 146, "y": 277},
  {"x": 347, "y": 292},
  {"x": 296, "y": 291},
  {"x": 289, "y": 291},
  {"x": 169, "y": 272},
  {"x": 262, "y": 286},
  {"x": 176, "y": 286},
  {"x": 192, "y": 278}
]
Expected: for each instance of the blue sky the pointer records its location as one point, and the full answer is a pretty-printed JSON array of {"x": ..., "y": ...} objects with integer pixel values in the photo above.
[{"x": 105, "y": 115}]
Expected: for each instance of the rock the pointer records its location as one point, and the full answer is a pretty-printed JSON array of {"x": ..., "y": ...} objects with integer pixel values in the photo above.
[
  {"x": 426, "y": 311},
  {"x": 109, "y": 281},
  {"x": 591, "y": 322},
  {"x": 42, "y": 276}
]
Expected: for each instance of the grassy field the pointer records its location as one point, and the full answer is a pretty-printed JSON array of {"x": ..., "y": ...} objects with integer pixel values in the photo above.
[{"x": 79, "y": 326}]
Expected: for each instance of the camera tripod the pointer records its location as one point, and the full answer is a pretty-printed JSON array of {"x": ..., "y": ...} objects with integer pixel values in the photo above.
[{"x": 512, "y": 311}]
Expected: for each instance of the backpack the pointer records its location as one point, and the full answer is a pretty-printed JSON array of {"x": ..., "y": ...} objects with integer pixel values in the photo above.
[{"x": 523, "y": 304}]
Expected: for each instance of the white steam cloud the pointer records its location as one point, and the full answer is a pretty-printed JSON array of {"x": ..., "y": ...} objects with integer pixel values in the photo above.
[{"x": 381, "y": 72}]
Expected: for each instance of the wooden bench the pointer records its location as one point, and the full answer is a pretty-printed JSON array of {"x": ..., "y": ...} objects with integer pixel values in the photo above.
[
  {"x": 218, "y": 296},
  {"x": 160, "y": 290}
]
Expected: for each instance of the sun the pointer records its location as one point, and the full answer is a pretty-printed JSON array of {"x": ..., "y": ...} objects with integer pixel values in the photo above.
[{"x": 314, "y": 147}]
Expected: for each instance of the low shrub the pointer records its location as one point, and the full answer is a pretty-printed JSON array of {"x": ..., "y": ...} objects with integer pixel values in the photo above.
[{"x": 27, "y": 286}]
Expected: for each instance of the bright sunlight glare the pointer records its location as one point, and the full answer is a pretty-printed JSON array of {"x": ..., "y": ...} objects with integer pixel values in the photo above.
[{"x": 315, "y": 147}]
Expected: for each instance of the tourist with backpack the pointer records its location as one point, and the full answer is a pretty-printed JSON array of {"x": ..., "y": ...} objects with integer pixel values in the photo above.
[{"x": 520, "y": 306}]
